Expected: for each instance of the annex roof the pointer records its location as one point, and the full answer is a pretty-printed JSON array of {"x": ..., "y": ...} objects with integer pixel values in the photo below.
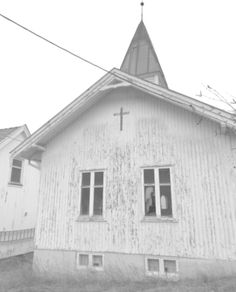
[
  {"x": 4, "y": 133},
  {"x": 9, "y": 134},
  {"x": 33, "y": 146},
  {"x": 141, "y": 59}
]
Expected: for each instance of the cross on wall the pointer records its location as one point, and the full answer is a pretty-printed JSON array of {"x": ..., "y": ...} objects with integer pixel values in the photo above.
[{"x": 121, "y": 114}]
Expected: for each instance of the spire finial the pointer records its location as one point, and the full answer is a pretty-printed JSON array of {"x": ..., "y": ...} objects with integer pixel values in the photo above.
[{"x": 142, "y": 4}]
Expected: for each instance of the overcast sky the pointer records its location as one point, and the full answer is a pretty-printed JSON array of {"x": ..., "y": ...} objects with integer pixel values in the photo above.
[{"x": 194, "y": 41}]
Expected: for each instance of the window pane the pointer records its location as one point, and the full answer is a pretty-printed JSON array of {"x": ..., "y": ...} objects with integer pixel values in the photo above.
[
  {"x": 86, "y": 179},
  {"x": 7, "y": 236},
  {"x": 165, "y": 198},
  {"x": 153, "y": 265},
  {"x": 98, "y": 201},
  {"x": 15, "y": 175},
  {"x": 16, "y": 162},
  {"x": 83, "y": 260},
  {"x": 84, "y": 201},
  {"x": 150, "y": 206},
  {"x": 164, "y": 176},
  {"x": 10, "y": 235},
  {"x": 97, "y": 261},
  {"x": 148, "y": 176},
  {"x": 98, "y": 180},
  {"x": 169, "y": 266}
]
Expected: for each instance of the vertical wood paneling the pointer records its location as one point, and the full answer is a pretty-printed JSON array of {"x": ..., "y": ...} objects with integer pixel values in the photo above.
[
  {"x": 18, "y": 204},
  {"x": 155, "y": 133}
]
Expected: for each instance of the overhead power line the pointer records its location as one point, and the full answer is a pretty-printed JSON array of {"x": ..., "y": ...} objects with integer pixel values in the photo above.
[
  {"x": 54, "y": 44},
  {"x": 79, "y": 57},
  {"x": 71, "y": 53}
]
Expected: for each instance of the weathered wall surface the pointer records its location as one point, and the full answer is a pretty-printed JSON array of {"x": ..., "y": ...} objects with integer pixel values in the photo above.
[
  {"x": 9, "y": 249},
  {"x": 155, "y": 133},
  {"x": 18, "y": 204}
]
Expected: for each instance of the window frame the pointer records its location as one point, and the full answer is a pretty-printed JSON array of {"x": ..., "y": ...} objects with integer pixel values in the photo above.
[
  {"x": 91, "y": 194},
  {"x": 168, "y": 274},
  {"x": 100, "y": 268},
  {"x": 152, "y": 273},
  {"x": 161, "y": 273},
  {"x": 157, "y": 185},
  {"x": 21, "y": 173},
  {"x": 90, "y": 261},
  {"x": 78, "y": 266}
]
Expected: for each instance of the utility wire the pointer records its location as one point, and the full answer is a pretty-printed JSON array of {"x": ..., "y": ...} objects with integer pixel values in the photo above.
[
  {"x": 75, "y": 55},
  {"x": 71, "y": 53},
  {"x": 54, "y": 44},
  {"x": 64, "y": 49}
]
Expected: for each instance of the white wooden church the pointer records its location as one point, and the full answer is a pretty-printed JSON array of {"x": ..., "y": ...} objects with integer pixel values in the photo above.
[{"x": 136, "y": 179}]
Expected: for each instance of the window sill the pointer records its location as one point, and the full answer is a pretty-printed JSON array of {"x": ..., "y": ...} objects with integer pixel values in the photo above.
[
  {"x": 14, "y": 184},
  {"x": 90, "y": 219},
  {"x": 168, "y": 276},
  {"x": 153, "y": 219}
]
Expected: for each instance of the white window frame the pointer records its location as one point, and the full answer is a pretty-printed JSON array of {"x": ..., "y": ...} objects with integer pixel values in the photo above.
[
  {"x": 21, "y": 173},
  {"x": 94, "y": 267},
  {"x": 157, "y": 192},
  {"x": 171, "y": 275},
  {"x": 78, "y": 266},
  {"x": 90, "y": 261},
  {"x": 161, "y": 272},
  {"x": 152, "y": 273},
  {"x": 91, "y": 193}
]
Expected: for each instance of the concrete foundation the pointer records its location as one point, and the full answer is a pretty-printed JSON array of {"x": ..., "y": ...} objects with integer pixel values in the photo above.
[
  {"x": 117, "y": 265},
  {"x": 13, "y": 248}
]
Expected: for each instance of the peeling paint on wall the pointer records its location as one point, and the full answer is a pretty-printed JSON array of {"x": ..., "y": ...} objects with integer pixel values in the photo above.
[{"x": 155, "y": 133}]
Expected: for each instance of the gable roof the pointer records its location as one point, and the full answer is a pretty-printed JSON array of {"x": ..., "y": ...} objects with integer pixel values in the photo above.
[
  {"x": 33, "y": 147},
  {"x": 4, "y": 133},
  {"x": 141, "y": 59},
  {"x": 9, "y": 134}
]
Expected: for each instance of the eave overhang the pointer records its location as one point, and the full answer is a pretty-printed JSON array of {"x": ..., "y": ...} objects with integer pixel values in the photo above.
[{"x": 33, "y": 147}]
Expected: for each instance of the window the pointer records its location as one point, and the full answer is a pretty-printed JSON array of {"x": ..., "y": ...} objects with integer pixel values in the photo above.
[
  {"x": 170, "y": 267},
  {"x": 161, "y": 267},
  {"x": 90, "y": 261},
  {"x": 157, "y": 192},
  {"x": 83, "y": 260},
  {"x": 153, "y": 265},
  {"x": 97, "y": 261},
  {"x": 92, "y": 188},
  {"x": 16, "y": 171}
]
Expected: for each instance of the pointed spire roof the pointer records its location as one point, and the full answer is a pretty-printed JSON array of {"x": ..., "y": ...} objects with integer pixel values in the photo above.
[{"x": 141, "y": 59}]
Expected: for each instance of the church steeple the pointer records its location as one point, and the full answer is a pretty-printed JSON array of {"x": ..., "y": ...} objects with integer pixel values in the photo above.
[{"x": 141, "y": 59}]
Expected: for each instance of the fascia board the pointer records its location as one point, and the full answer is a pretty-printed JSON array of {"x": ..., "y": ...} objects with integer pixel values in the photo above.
[
  {"x": 13, "y": 135},
  {"x": 63, "y": 114},
  {"x": 176, "y": 98},
  {"x": 181, "y": 100}
]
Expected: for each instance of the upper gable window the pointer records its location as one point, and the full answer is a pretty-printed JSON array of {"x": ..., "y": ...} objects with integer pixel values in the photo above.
[
  {"x": 92, "y": 188},
  {"x": 16, "y": 171},
  {"x": 157, "y": 192}
]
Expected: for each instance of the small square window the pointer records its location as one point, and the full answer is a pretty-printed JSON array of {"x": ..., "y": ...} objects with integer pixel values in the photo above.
[
  {"x": 153, "y": 265},
  {"x": 83, "y": 260},
  {"x": 97, "y": 261},
  {"x": 170, "y": 267}
]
